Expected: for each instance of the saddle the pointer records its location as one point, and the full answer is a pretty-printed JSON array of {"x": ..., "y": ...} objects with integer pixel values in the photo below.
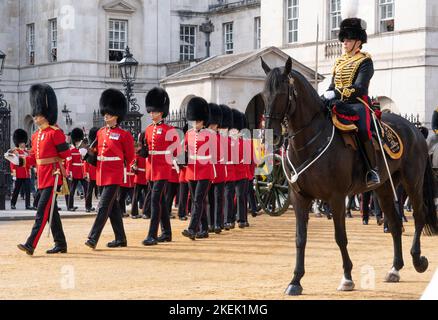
[{"x": 344, "y": 118}]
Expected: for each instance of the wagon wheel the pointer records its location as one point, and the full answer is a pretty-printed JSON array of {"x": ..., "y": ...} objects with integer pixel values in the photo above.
[{"x": 272, "y": 190}]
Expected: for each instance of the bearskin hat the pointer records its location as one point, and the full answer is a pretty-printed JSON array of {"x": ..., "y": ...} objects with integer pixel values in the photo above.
[
  {"x": 237, "y": 120},
  {"x": 227, "y": 117},
  {"x": 435, "y": 120},
  {"x": 114, "y": 103},
  {"x": 353, "y": 29},
  {"x": 215, "y": 114},
  {"x": 92, "y": 134},
  {"x": 197, "y": 110},
  {"x": 77, "y": 135},
  {"x": 424, "y": 131},
  {"x": 19, "y": 136},
  {"x": 157, "y": 100},
  {"x": 43, "y": 102}
]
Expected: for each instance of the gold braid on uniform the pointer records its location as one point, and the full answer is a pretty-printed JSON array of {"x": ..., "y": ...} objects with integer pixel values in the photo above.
[{"x": 345, "y": 71}]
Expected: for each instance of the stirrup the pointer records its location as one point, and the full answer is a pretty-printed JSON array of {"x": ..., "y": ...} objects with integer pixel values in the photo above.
[{"x": 372, "y": 178}]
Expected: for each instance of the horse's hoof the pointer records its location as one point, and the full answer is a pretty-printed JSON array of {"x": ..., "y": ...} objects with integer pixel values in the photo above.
[
  {"x": 422, "y": 265},
  {"x": 346, "y": 285},
  {"x": 393, "y": 276},
  {"x": 294, "y": 290}
]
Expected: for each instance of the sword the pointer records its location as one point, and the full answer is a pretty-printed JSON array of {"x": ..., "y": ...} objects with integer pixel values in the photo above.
[
  {"x": 52, "y": 205},
  {"x": 384, "y": 155}
]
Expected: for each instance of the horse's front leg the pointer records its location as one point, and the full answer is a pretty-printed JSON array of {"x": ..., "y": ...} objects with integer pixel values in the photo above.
[
  {"x": 338, "y": 209},
  {"x": 302, "y": 208}
]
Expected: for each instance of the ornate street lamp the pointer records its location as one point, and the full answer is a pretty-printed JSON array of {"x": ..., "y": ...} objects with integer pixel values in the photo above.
[
  {"x": 5, "y": 136},
  {"x": 128, "y": 71}
]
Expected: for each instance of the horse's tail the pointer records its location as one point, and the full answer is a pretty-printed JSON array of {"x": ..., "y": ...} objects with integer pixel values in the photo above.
[{"x": 431, "y": 219}]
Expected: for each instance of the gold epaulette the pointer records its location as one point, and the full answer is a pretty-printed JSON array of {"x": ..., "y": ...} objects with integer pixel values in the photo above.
[{"x": 54, "y": 127}]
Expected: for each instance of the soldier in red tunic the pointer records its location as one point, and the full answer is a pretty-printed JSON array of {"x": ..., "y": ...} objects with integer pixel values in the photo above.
[
  {"x": 21, "y": 174},
  {"x": 113, "y": 150},
  {"x": 234, "y": 174},
  {"x": 216, "y": 192},
  {"x": 75, "y": 167},
  {"x": 90, "y": 174},
  {"x": 48, "y": 150},
  {"x": 199, "y": 143},
  {"x": 160, "y": 138},
  {"x": 140, "y": 182}
]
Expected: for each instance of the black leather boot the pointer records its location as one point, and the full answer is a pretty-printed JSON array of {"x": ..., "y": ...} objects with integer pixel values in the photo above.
[{"x": 369, "y": 154}]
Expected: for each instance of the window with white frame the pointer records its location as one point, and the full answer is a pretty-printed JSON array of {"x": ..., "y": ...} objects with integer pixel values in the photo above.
[
  {"x": 386, "y": 14},
  {"x": 228, "y": 38},
  {"x": 292, "y": 20},
  {"x": 335, "y": 18},
  {"x": 118, "y": 39},
  {"x": 187, "y": 42},
  {"x": 257, "y": 32},
  {"x": 53, "y": 40},
  {"x": 30, "y": 39}
]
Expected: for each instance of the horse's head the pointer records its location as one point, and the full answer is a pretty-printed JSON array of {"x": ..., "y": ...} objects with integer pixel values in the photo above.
[{"x": 279, "y": 96}]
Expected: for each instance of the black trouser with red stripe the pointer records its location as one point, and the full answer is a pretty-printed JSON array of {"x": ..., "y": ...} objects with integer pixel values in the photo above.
[
  {"x": 89, "y": 194},
  {"x": 216, "y": 205},
  {"x": 229, "y": 211},
  {"x": 19, "y": 183},
  {"x": 42, "y": 217},
  {"x": 108, "y": 207},
  {"x": 171, "y": 192},
  {"x": 123, "y": 194},
  {"x": 199, "y": 191},
  {"x": 159, "y": 210},
  {"x": 73, "y": 185},
  {"x": 241, "y": 200},
  {"x": 183, "y": 199},
  {"x": 137, "y": 192}
]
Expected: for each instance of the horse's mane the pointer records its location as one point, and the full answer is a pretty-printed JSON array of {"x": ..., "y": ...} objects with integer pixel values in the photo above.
[{"x": 273, "y": 82}]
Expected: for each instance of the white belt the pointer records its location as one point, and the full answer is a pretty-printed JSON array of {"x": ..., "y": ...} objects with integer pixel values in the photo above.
[
  {"x": 196, "y": 157},
  {"x": 143, "y": 170},
  {"x": 102, "y": 158},
  {"x": 77, "y": 164},
  {"x": 230, "y": 162},
  {"x": 156, "y": 153}
]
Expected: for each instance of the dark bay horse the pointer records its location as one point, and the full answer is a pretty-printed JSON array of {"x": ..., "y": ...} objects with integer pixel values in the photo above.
[{"x": 340, "y": 171}]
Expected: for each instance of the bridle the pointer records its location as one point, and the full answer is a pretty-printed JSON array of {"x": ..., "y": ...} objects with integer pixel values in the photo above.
[{"x": 292, "y": 98}]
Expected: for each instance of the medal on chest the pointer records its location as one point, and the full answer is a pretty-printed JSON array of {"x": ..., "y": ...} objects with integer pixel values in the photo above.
[{"x": 114, "y": 136}]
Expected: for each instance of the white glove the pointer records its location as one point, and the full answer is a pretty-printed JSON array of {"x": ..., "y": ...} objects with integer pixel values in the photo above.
[
  {"x": 83, "y": 152},
  {"x": 12, "y": 158},
  {"x": 329, "y": 95},
  {"x": 175, "y": 166}
]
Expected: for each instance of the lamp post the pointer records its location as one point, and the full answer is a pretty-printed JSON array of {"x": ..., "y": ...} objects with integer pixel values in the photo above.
[
  {"x": 5, "y": 136},
  {"x": 128, "y": 71},
  {"x": 207, "y": 28}
]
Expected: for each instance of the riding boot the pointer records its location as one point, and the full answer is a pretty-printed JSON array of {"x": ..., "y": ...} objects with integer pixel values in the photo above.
[{"x": 372, "y": 177}]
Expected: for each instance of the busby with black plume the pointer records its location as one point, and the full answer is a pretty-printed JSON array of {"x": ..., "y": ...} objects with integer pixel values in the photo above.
[
  {"x": 197, "y": 110},
  {"x": 114, "y": 103},
  {"x": 215, "y": 115},
  {"x": 157, "y": 100},
  {"x": 43, "y": 102},
  {"x": 227, "y": 117},
  {"x": 19, "y": 136},
  {"x": 77, "y": 135},
  {"x": 351, "y": 27}
]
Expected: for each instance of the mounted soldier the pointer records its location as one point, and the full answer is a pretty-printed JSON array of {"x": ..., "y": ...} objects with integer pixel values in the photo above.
[{"x": 348, "y": 92}]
